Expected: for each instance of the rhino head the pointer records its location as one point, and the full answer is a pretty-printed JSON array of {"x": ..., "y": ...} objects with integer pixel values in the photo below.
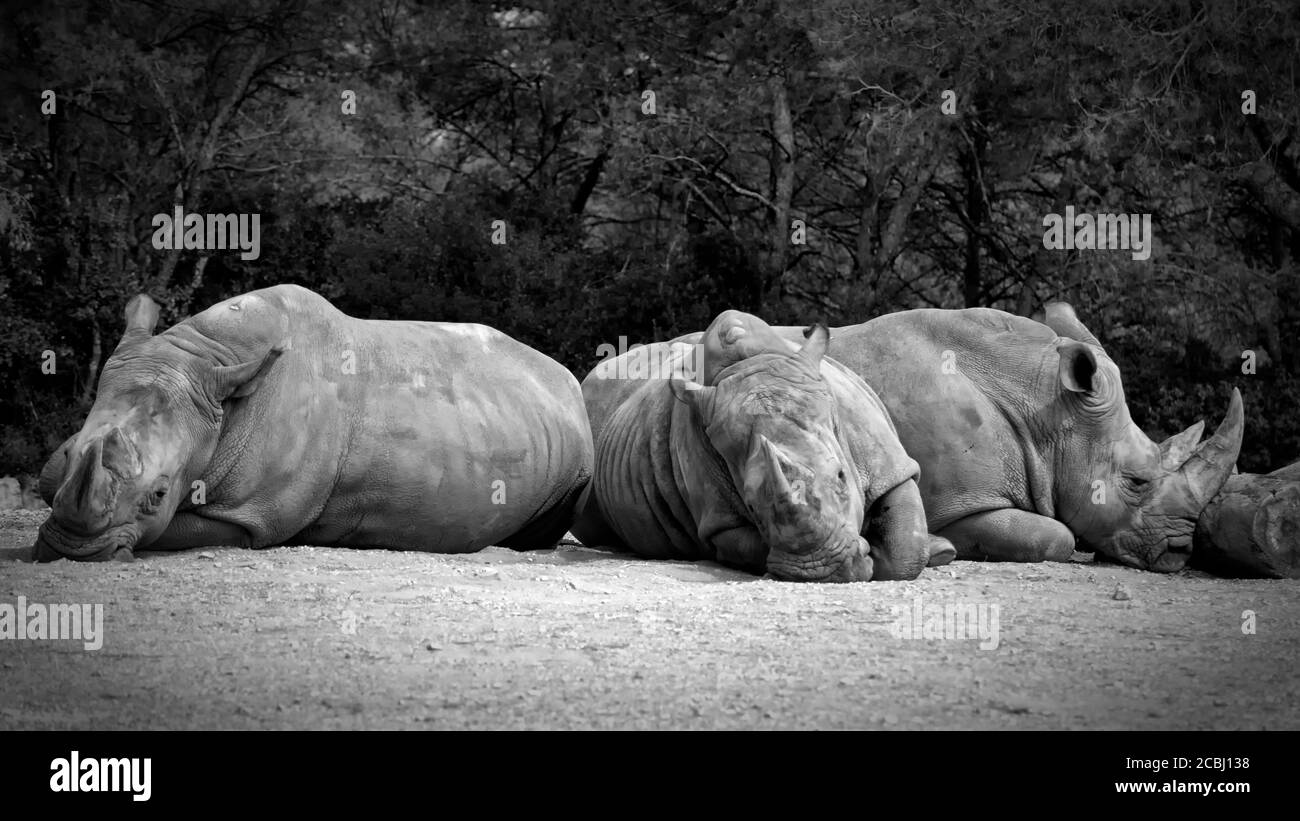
[
  {"x": 116, "y": 484},
  {"x": 1123, "y": 495},
  {"x": 771, "y": 418}
]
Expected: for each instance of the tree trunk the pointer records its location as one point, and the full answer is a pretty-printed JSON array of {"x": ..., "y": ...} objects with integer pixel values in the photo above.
[
  {"x": 1252, "y": 528},
  {"x": 589, "y": 181},
  {"x": 192, "y": 183},
  {"x": 782, "y": 169},
  {"x": 914, "y": 180},
  {"x": 973, "y": 169},
  {"x": 866, "y": 245},
  {"x": 92, "y": 367}
]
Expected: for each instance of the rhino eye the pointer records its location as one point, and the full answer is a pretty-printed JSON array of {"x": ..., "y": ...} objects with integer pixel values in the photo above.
[{"x": 1137, "y": 482}]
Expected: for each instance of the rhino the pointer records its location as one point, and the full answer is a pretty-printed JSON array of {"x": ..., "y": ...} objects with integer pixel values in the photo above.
[
  {"x": 777, "y": 460},
  {"x": 1025, "y": 442},
  {"x": 273, "y": 418}
]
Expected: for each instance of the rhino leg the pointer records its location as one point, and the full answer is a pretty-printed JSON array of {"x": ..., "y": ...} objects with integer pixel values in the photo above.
[
  {"x": 741, "y": 547},
  {"x": 188, "y": 530},
  {"x": 901, "y": 544},
  {"x": 1010, "y": 535},
  {"x": 547, "y": 529},
  {"x": 590, "y": 525}
]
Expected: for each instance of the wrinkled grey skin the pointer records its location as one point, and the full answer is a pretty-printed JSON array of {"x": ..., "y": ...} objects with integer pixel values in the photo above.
[
  {"x": 1025, "y": 441},
  {"x": 775, "y": 460},
  {"x": 307, "y": 426}
]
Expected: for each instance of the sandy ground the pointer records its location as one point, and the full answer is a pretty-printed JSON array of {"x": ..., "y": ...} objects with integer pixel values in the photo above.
[{"x": 326, "y": 638}]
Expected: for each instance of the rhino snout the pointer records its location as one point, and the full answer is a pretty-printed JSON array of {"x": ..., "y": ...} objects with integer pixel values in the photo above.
[
  {"x": 54, "y": 543},
  {"x": 846, "y": 559}
]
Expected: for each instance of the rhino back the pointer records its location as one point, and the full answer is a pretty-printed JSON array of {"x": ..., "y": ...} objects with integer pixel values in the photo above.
[{"x": 409, "y": 435}]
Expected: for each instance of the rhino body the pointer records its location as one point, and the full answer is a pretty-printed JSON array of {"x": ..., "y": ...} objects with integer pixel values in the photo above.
[
  {"x": 273, "y": 418},
  {"x": 1025, "y": 442},
  {"x": 793, "y": 467}
]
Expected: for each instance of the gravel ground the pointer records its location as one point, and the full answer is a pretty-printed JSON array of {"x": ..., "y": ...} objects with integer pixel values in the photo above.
[{"x": 328, "y": 638}]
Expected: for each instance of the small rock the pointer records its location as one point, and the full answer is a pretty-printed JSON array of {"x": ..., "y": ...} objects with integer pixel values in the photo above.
[
  {"x": 1121, "y": 593},
  {"x": 206, "y": 555},
  {"x": 432, "y": 647}
]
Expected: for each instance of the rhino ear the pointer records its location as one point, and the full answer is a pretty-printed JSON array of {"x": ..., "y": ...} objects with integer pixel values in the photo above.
[
  {"x": 1062, "y": 319},
  {"x": 1078, "y": 369},
  {"x": 734, "y": 334},
  {"x": 236, "y": 381},
  {"x": 692, "y": 393},
  {"x": 1177, "y": 449},
  {"x": 141, "y": 318},
  {"x": 818, "y": 340}
]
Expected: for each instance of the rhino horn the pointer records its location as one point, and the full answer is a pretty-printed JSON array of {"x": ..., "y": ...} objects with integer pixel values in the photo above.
[
  {"x": 53, "y": 472},
  {"x": 1176, "y": 450},
  {"x": 1211, "y": 463},
  {"x": 776, "y": 464},
  {"x": 120, "y": 455},
  {"x": 83, "y": 503}
]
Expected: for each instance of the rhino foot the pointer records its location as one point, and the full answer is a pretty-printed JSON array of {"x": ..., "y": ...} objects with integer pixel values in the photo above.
[{"x": 941, "y": 551}]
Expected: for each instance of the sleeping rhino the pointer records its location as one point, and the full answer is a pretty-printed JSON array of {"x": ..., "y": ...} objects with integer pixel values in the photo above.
[
  {"x": 273, "y": 418},
  {"x": 1025, "y": 441},
  {"x": 775, "y": 459}
]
